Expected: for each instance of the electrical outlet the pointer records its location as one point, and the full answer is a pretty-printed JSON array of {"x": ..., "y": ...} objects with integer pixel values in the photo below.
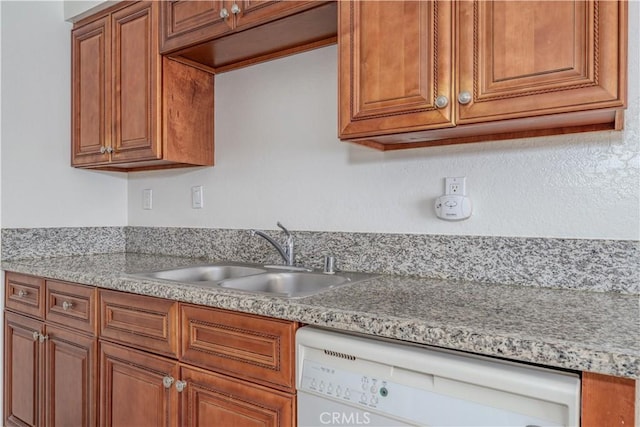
[{"x": 455, "y": 186}]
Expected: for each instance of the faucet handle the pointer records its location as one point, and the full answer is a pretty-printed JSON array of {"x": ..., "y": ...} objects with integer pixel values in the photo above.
[{"x": 329, "y": 264}]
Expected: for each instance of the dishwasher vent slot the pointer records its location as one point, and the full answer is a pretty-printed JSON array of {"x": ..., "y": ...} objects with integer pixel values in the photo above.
[{"x": 339, "y": 355}]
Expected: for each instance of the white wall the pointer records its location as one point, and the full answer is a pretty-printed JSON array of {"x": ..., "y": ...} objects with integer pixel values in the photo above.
[
  {"x": 75, "y": 10},
  {"x": 39, "y": 188},
  {"x": 278, "y": 158}
]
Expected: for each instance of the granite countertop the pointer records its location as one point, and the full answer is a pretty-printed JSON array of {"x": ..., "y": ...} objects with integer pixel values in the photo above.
[{"x": 577, "y": 330}]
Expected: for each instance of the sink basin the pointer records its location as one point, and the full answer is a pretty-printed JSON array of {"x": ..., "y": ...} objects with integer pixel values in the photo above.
[
  {"x": 290, "y": 284},
  {"x": 203, "y": 273},
  {"x": 277, "y": 280}
]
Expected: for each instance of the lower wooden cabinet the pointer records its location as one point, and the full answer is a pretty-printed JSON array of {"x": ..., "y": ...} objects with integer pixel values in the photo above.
[
  {"x": 135, "y": 389},
  {"x": 211, "y": 399},
  {"x": 23, "y": 360},
  {"x": 141, "y": 389},
  {"x": 57, "y": 375},
  {"x": 49, "y": 373}
]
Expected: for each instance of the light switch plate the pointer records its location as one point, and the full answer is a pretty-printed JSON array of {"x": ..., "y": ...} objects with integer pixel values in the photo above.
[
  {"x": 147, "y": 199},
  {"x": 197, "y": 197}
]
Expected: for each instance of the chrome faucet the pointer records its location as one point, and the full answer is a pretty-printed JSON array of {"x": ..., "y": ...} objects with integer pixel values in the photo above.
[{"x": 286, "y": 251}]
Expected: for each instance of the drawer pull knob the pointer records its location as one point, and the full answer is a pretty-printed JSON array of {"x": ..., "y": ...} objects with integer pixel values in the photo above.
[
  {"x": 167, "y": 381},
  {"x": 66, "y": 305},
  {"x": 36, "y": 335},
  {"x": 224, "y": 13},
  {"x": 43, "y": 338},
  {"x": 22, "y": 293},
  {"x": 180, "y": 385},
  {"x": 235, "y": 9}
]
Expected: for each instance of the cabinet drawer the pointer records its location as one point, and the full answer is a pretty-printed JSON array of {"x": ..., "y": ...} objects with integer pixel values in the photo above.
[
  {"x": 140, "y": 321},
  {"x": 71, "y": 305},
  {"x": 253, "y": 347},
  {"x": 24, "y": 294}
]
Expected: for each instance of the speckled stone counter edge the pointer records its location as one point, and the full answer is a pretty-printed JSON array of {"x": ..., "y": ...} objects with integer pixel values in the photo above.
[
  {"x": 516, "y": 344},
  {"x": 594, "y": 265}
]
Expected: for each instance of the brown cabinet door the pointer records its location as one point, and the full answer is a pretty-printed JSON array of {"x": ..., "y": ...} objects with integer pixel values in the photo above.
[
  {"x": 395, "y": 61},
  {"x": 71, "y": 378},
  {"x": 90, "y": 93},
  {"x": 136, "y": 84},
  {"x": 23, "y": 370},
  {"x": 187, "y": 22},
  {"x": 255, "y": 12},
  {"x": 132, "y": 391},
  {"x": 211, "y": 399},
  {"x": 527, "y": 58}
]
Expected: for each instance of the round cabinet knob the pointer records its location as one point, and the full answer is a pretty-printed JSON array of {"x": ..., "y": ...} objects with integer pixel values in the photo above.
[
  {"x": 103, "y": 150},
  {"x": 464, "y": 98},
  {"x": 167, "y": 381},
  {"x": 235, "y": 9},
  {"x": 36, "y": 335},
  {"x": 109, "y": 150},
  {"x": 22, "y": 293},
  {"x": 224, "y": 13},
  {"x": 442, "y": 101},
  {"x": 66, "y": 305},
  {"x": 180, "y": 385}
]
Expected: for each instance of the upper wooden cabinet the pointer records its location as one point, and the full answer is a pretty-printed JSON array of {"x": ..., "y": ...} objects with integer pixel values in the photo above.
[
  {"x": 391, "y": 67},
  {"x": 126, "y": 99},
  {"x": 429, "y": 73},
  {"x": 228, "y": 34},
  {"x": 186, "y": 22}
]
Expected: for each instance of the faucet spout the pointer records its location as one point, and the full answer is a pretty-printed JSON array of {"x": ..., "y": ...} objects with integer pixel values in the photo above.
[{"x": 286, "y": 251}]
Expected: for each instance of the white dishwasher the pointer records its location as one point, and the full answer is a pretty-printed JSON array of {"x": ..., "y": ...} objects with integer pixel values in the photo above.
[{"x": 349, "y": 380}]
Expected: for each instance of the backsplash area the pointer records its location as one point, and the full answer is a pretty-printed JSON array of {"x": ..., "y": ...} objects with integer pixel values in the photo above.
[{"x": 597, "y": 265}]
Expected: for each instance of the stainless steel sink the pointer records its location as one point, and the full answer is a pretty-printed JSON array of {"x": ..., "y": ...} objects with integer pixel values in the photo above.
[
  {"x": 283, "y": 281},
  {"x": 290, "y": 284},
  {"x": 203, "y": 273}
]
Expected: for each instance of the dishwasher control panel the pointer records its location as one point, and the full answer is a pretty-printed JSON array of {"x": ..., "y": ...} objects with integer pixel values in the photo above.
[{"x": 352, "y": 387}]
